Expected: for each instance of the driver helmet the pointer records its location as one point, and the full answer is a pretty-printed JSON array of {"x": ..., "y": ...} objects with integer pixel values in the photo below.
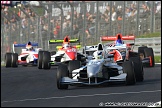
[
  {"x": 118, "y": 42},
  {"x": 29, "y": 47},
  {"x": 66, "y": 45},
  {"x": 98, "y": 55}
]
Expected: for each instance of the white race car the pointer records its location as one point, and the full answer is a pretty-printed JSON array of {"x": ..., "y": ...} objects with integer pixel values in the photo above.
[
  {"x": 27, "y": 57},
  {"x": 101, "y": 69},
  {"x": 64, "y": 54}
]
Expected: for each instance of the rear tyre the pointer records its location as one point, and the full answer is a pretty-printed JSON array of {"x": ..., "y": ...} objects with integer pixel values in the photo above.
[
  {"x": 62, "y": 71},
  {"x": 75, "y": 64},
  {"x": 128, "y": 68},
  {"x": 8, "y": 59},
  {"x": 14, "y": 60},
  {"x": 46, "y": 60},
  {"x": 138, "y": 68},
  {"x": 149, "y": 53},
  {"x": 40, "y": 58}
]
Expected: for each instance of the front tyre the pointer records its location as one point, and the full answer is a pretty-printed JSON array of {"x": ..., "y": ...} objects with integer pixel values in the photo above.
[
  {"x": 128, "y": 68},
  {"x": 40, "y": 58},
  {"x": 138, "y": 68},
  {"x": 46, "y": 60},
  {"x": 72, "y": 65},
  {"x": 14, "y": 60},
  {"x": 8, "y": 58},
  {"x": 62, "y": 71}
]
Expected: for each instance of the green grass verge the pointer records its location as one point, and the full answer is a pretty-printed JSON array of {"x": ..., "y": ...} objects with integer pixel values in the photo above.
[
  {"x": 157, "y": 59},
  {"x": 150, "y": 35}
]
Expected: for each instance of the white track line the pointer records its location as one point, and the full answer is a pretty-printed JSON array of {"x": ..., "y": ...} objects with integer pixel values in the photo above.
[{"x": 81, "y": 96}]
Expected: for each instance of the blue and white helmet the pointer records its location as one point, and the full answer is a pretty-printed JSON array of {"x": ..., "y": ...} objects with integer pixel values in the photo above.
[
  {"x": 119, "y": 42},
  {"x": 98, "y": 55}
]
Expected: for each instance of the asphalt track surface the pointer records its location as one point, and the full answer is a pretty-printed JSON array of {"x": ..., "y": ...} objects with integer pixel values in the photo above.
[{"x": 30, "y": 87}]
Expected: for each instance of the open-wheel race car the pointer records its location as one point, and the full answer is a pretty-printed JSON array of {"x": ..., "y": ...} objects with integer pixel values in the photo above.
[
  {"x": 124, "y": 51},
  {"x": 99, "y": 70},
  {"x": 64, "y": 54},
  {"x": 28, "y": 55}
]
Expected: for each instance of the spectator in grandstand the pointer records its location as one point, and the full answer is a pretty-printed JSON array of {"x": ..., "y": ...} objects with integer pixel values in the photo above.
[
  {"x": 55, "y": 32},
  {"x": 146, "y": 11},
  {"x": 33, "y": 14},
  {"x": 133, "y": 13},
  {"x": 2, "y": 7},
  {"x": 57, "y": 25},
  {"x": 119, "y": 13},
  {"x": 24, "y": 23},
  {"x": 132, "y": 7},
  {"x": 158, "y": 7},
  {"x": 113, "y": 16},
  {"x": 13, "y": 19},
  {"x": 127, "y": 13},
  {"x": 29, "y": 11},
  {"x": 107, "y": 10},
  {"x": 106, "y": 15},
  {"x": 91, "y": 22},
  {"x": 79, "y": 20}
]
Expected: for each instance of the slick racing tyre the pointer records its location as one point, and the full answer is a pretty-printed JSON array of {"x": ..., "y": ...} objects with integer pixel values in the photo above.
[
  {"x": 40, "y": 58},
  {"x": 8, "y": 58},
  {"x": 14, "y": 60},
  {"x": 46, "y": 60},
  {"x": 75, "y": 64},
  {"x": 128, "y": 68},
  {"x": 149, "y": 53},
  {"x": 62, "y": 71},
  {"x": 138, "y": 68}
]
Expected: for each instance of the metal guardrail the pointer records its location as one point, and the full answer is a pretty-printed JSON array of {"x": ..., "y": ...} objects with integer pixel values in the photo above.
[{"x": 154, "y": 43}]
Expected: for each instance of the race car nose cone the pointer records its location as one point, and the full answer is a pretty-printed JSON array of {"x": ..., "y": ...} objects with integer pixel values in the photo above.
[
  {"x": 72, "y": 56},
  {"x": 92, "y": 70}
]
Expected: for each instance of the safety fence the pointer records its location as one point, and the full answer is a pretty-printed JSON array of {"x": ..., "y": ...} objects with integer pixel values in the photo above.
[
  {"x": 154, "y": 43},
  {"x": 84, "y": 20}
]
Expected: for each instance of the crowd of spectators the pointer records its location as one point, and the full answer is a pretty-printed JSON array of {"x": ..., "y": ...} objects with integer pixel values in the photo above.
[{"x": 52, "y": 26}]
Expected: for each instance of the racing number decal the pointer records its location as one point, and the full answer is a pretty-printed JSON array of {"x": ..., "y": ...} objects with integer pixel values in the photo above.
[{"x": 71, "y": 50}]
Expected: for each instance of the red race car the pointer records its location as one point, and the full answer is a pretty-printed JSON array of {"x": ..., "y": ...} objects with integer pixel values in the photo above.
[
  {"x": 123, "y": 51},
  {"x": 67, "y": 54}
]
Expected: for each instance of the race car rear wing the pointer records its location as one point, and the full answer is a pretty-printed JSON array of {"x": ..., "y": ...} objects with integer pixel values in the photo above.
[
  {"x": 22, "y": 45},
  {"x": 56, "y": 41},
  {"x": 59, "y": 41},
  {"x": 111, "y": 38}
]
